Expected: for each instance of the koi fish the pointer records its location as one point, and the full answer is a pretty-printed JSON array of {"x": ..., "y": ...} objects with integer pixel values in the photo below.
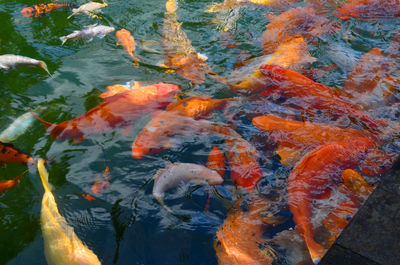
[
  {"x": 181, "y": 173},
  {"x": 116, "y": 111},
  {"x": 88, "y": 33},
  {"x": 338, "y": 219},
  {"x": 198, "y": 106},
  {"x": 314, "y": 176},
  {"x": 295, "y": 137},
  {"x": 101, "y": 184},
  {"x": 300, "y": 20},
  {"x": 230, "y": 4},
  {"x": 61, "y": 244},
  {"x": 242, "y": 159},
  {"x": 292, "y": 54},
  {"x": 127, "y": 41},
  {"x": 88, "y": 9},
  {"x": 180, "y": 118},
  {"x": 240, "y": 237},
  {"x": 42, "y": 9},
  {"x": 313, "y": 96},
  {"x": 10, "y": 61},
  {"x": 8, "y": 184},
  {"x": 368, "y": 9},
  {"x": 356, "y": 183},
  {"x": 88, "y": 197},
  {"x": 9, "y": 154},
  {"x": 179, "y": 53},
  {"x": 160, "y": 132},
  {"x": 18, "y": 127},
  {"x": 377, "y": 163},
  {"x": 117, "y": 89},
  {"x": 216, "y": 161}
]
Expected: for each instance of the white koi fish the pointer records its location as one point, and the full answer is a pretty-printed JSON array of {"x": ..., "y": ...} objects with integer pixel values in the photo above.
[
  {"x": 88, "y": 9},
  {"x": 88, "y": 33},
  {"x": 181, "y": 173},
  {"x": 61, "y": 244},
  {"x": 18, "y": 127},
  {"x": 10, "y": 61}
]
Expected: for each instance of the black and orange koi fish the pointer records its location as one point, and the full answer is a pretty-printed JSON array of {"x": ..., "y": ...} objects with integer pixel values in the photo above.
[{"x": 42, "y": 9}]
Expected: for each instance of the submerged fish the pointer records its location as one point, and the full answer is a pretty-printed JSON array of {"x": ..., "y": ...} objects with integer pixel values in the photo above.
[
  {"x": 314, "y": 177},
  {"x": 179, "y": 53},
  {"x": 311, "y": 96},
  {"x": 300, "y": 20},
  {"x": 18, "y": 127},
  {"x": 61, "y": 245},
  {"x": 9, "y": 61},
  {"x": 356, "y": 183},
  {"x": 240, "y": 237},
  {"x": 42, "y": 9},
  {"x": 181, "y": 173},
  {"x": 127, "y": 41},
  {"x": 292, "y": 54},
  {"x": 295, "y": 137},
  {"x": 368, "y": 9},
  {"x": 216, "y": 161},
  {"x": 9, "y": 154},
  {"x": 242, "y": 159},
  {"x": 102, "y": 183},
  {"x": 88, "y": 33},
  {"x": 119, "y": 110},
  {"x": 88, "y": 9},
  {"x": 8, "y": 184}
]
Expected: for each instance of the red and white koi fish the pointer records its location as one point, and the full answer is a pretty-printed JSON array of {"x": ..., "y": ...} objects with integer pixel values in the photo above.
[
  {"x": 368, "y": 9},
  {"x": 42, "y": 9}
]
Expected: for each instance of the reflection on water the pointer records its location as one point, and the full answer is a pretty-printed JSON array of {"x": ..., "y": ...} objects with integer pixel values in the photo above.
[{"x": 123, "y": 223}]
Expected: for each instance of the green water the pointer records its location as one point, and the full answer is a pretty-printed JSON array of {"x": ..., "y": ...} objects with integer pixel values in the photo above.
[{"x": 125, "y": 225}]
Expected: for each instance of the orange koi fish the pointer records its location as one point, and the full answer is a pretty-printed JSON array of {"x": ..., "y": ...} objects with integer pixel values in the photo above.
[
  {"x": 295, "y": 137},
  {"x": 240, "y": 237},
  {"x": 179, "y": 53},
  {"x": 292, "y": 53},
  {"x": 8, "y": 184},
  {"x": 198, "y": 106},
  {"x": 88, "y": 197},
  {"x": 216, "y": 161},
  {"x": 101, "y": 184},
  {"x": 159, "y": 133},
  {"x": 42, "y": 9},
  {"x": 356, "y": 183},
  {"x": 313, "y": 96},
  {"x": 367, "y": 74},
  {"x": 338, "y": 219},
  {"x": 9, "y": 154},
  {"x": 242, "y": 158},
  {"x": 178, "y": 119},
  {"x": 368, "y": 9},
  {"x": 127, "y": 41},
  {"x": 377, "y": 163},
  {"x": 300, "y": 20},
  {"x": 314, "y": 176},
  {"x": 116, "y": 111}
]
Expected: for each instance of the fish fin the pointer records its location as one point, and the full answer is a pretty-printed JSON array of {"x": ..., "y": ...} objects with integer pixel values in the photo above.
[
  {"x": 5, "y": 67},
  {"x": 126, "y": 130},
  {"x": 63, "y": 39},
  {"x": 77, "y": 140},
  {"x": 44, "y": 176},
  {"x": 44, "y": 66},
  {"x": 73, "y": 13},
  {"x": 17, "y": 178},
  {"x": 45, "y": 123}
]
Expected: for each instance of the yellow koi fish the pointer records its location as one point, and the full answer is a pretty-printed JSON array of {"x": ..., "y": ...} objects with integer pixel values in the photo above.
[{"x": 61, "y": 245}]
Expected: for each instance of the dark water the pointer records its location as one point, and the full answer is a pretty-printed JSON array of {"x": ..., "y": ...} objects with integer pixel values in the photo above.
[{"x": 125, "y": 225}]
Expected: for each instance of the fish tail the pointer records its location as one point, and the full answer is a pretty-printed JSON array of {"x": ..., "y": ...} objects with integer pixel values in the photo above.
[
  {"x": 17, "y": 178},
  {"x": 43, "y": 65},
  {"x": 45, "y": 123},
  {"x": 44, "y": 176},
  {"x": 164, "y": 205},
  {"x": 64, "y": 38}
]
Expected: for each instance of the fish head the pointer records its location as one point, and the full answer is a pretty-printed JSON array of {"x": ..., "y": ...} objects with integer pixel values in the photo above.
[
  {"x": 121, "y": 33},
  {"x": 28, "y": 11}
]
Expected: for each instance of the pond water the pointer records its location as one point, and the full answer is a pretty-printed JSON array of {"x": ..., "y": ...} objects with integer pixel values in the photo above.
[{"x": 125, "y": 224}]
